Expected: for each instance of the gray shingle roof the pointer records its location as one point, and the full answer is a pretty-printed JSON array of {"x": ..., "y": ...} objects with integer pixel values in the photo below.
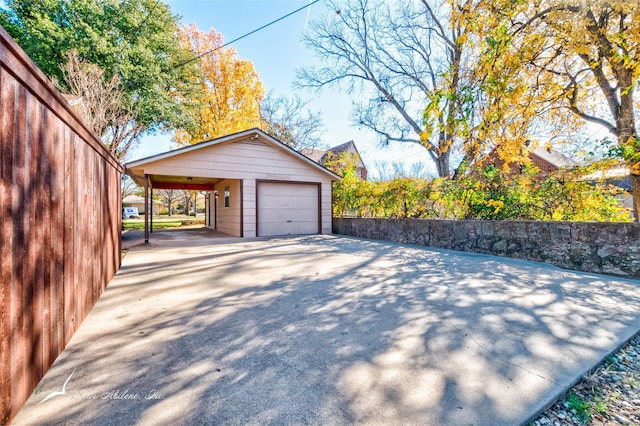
[{"x": 556, "y": 158}]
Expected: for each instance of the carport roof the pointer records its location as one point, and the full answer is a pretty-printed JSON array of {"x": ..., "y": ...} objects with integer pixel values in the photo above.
[{"x": 202, "y": 183}]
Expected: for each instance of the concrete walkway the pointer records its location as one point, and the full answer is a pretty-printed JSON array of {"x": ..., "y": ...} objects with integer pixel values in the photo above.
[{"x": 330, "y": 330}]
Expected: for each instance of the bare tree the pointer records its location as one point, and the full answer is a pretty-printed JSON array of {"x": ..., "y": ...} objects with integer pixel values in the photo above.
[
  {"x": 418, "y": 170},
  {"x": 169, "y": 197},
  {"x": 128, "y": 186},
  {"x": 388, "y": 170},
  {"x": 398, "y": 57},
  {"x": 100, "y": 102},
  {"x": 287, "y": 120},
  {"x": 189, "y": 199}
]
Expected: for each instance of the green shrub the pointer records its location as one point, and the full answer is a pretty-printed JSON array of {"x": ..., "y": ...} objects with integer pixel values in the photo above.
[{"x": 490, "y": 195}]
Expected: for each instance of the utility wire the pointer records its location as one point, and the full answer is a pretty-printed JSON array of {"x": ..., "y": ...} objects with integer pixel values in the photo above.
[
  {"x": 195, "y": 58},
  {"x": 144, "y": 21}
]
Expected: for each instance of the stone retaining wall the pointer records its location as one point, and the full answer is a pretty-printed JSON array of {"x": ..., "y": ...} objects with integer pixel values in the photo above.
[{"x": 606, "y": 248}]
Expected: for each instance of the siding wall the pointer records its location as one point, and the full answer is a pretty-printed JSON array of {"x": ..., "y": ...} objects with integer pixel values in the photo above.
[
  {"x": 229, "y": 217},
  {"x": 327, "y": 200},
  {"x": 59, "y": 224},
  {"x": 245, "y": 160},
  {"x": 249, "y": 201}
]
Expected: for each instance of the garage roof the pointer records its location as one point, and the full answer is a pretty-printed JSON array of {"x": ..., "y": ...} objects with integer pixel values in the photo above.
[{"x": 206, "y": 183}]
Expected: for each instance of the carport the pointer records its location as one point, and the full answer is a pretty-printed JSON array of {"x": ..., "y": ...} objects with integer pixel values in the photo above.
[{"x": 255, "y": 185}]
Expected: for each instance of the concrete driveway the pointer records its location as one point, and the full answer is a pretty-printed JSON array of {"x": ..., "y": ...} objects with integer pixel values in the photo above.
[{"x": 330, "y": 330}]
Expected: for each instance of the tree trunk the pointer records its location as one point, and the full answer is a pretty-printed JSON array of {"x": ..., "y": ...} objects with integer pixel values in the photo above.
[
  {"x": 443, "y": 164},
  {"x": 635, "y": 192},
  {"x": 628, "y": 137}
]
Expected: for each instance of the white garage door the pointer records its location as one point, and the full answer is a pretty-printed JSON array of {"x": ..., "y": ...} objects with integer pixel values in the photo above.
[{"x": 287, "y": 209}]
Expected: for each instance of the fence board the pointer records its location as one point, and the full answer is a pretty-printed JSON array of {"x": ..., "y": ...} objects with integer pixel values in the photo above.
[
  {"x": 60, "y": 224},
  {"x": 19, "y": 211},
  {"x": 57, "y": 167},
  {"x": 45, "y": 208},
  {"x": 7, "y": 94},
  {"x": 33, "y": 194}
]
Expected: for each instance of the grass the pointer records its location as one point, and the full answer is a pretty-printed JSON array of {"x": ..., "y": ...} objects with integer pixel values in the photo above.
[
  {"x": 156, "y": 225},
  {"x": 163, "y": 222},
  {"x": 599, "y": 405},
  {"x": 581, "y": 406}
]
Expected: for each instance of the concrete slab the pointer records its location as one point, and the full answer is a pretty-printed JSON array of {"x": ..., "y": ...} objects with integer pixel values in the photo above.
[
  {"x": 330, "y": 330},
  {"x": 132, "y": 238}
]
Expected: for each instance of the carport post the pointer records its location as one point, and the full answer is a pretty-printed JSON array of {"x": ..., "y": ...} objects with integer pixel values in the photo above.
[
  {"x": 146, "y": 209},
  {"x": 215, "y": 210},
  {"x": 151, "y": 208}
]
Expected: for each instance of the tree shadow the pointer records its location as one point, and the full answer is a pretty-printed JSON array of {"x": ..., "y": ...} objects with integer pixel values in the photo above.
[{"x": 333, "y": 330}]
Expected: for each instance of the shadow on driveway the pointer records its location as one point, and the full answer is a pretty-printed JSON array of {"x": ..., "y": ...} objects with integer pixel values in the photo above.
[{"x": 331, "y": 330}]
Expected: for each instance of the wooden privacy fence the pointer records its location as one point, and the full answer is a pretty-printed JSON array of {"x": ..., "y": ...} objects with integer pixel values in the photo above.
[{"x": 60, "y": 224}]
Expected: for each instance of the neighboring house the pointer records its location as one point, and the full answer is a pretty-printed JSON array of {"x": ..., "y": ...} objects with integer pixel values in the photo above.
[
  {"x": 619, "y": 176},
  {"x": 255, "y": 184},
  {"x": 546, "y": 160},
  {"x": 319, "y": 156},
  {"x": 551, "y": 162},
  {"x": 138, "y": 202}
]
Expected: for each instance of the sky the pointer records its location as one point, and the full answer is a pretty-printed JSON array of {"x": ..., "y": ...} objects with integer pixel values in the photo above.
[{"x": 276, "y": 53}]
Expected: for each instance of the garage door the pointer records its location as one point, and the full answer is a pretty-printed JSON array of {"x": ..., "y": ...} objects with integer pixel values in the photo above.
[{"x": 287, "y": 209}]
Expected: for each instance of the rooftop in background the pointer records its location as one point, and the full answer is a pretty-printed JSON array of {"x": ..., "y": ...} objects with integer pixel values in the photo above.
[
  {"x": 619, "y": 176},
  {"x": 544, "y": 158},
  {"x": 554, "y": 158},
  {"x": 314, "y": 154},
  {"x": 319, "y": 156},
  {"x": 135, "y": 199}
]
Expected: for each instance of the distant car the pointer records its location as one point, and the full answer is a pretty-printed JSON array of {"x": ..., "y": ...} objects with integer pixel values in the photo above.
[{"x": 130, "y": 213}]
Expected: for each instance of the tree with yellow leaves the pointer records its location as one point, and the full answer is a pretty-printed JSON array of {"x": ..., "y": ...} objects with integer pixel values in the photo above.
[
  {"x": 231, "y": 91},
  {"x": 581, "y": 62},
  {"x": 398, "y": 55},
  {"x": 471, "y": 106}
]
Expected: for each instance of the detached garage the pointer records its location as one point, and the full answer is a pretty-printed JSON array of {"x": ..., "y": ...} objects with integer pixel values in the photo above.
[
  {"x": 285, "y": 208},
  {"x": 254, "y": 184}
]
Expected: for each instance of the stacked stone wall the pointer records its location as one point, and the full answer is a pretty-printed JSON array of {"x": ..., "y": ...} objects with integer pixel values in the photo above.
[{"x": 605, "y": 248}]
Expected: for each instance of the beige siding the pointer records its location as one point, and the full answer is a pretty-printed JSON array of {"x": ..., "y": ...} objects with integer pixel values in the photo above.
[
  {"x": 247, "y": 160},
  {"x": 327, "y": 226},
  {"x": 229, "y": 217},
  {"x": 249, "y": 201},
  {"x": 234, "y": 160}
]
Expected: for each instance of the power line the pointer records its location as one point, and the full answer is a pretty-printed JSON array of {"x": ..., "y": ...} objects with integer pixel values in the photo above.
[
  {"x": 247, "y": 34},
  {"x": 144, "y": 21}
]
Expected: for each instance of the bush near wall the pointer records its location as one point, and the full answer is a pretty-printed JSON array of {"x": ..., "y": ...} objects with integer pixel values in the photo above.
[{"x": 490, "y": 195}]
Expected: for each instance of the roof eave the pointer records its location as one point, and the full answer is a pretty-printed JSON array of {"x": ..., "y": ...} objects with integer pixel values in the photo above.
[{"x": 236, "y": 136}]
